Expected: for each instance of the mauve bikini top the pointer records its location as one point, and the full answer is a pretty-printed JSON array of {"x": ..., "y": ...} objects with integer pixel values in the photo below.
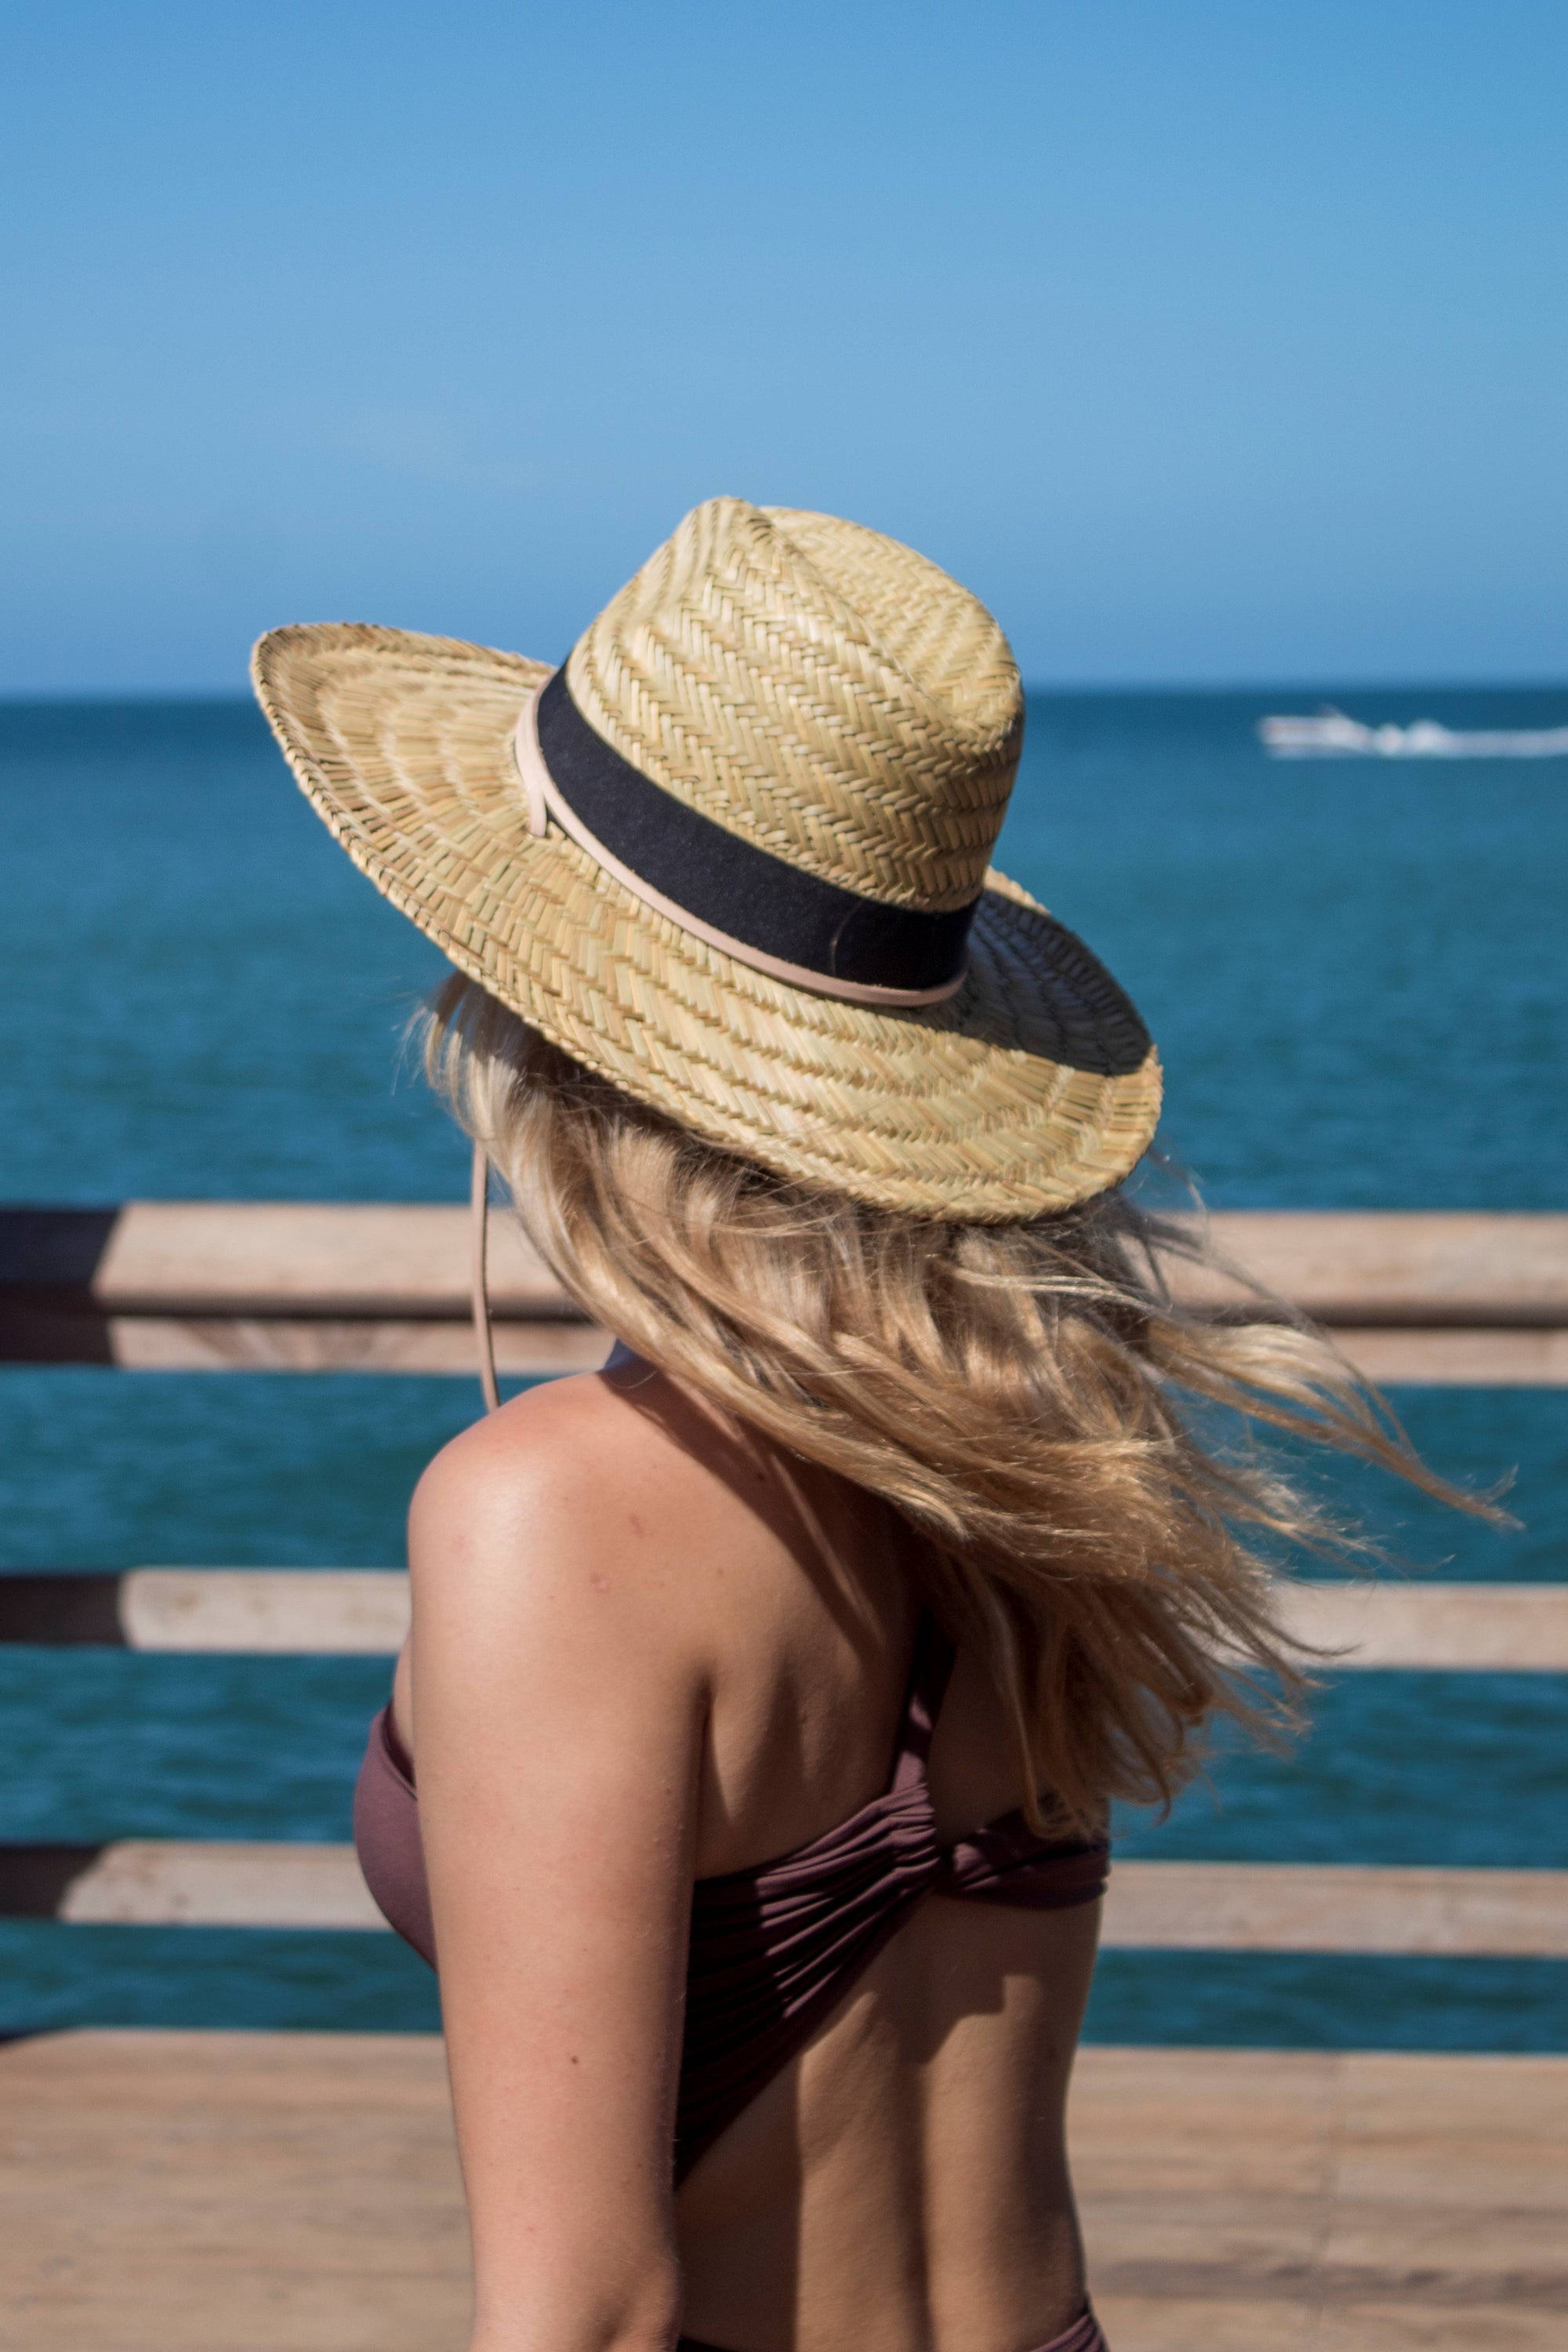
[{"x": 773, "y": 1949}]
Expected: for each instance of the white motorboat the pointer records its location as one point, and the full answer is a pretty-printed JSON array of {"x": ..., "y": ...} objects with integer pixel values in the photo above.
[{"x": 1332, "y": 735}]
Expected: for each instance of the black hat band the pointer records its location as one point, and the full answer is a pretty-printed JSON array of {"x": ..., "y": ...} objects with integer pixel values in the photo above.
[{"x": 753, "y": 906}]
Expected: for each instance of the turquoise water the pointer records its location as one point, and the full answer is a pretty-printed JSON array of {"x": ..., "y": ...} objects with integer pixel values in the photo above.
[
  {"x": 1355, "y": 969},
  {"x": 1356, "y": 975}
]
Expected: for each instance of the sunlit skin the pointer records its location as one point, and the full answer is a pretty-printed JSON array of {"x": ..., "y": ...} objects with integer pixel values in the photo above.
[{"x": 644, "y": 1648}]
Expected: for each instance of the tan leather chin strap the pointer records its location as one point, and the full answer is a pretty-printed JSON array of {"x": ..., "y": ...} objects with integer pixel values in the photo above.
[{"x": 479, "y": 1229}]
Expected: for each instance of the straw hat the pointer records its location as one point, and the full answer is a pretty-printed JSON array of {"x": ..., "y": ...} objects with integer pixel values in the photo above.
[{"x": 733, "y": 856}]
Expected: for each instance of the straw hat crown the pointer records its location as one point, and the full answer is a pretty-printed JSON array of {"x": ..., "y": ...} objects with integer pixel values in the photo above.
[
  {"x": 818, "y": 690},
  {"x": 732, "y": 855}
]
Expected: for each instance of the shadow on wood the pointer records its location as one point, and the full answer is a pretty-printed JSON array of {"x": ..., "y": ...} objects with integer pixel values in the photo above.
[{"x": 232, "y": 2192}]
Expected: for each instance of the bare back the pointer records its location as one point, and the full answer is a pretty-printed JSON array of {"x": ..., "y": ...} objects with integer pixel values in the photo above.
[{"x": 902, "y": 2182}]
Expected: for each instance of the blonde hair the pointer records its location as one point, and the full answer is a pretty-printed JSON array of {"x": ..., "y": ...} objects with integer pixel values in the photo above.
[{"x": 1016, "y": 1392}]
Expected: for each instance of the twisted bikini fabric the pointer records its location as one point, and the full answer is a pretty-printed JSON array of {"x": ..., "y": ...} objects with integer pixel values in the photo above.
[{"x": 774, "y": 1950}]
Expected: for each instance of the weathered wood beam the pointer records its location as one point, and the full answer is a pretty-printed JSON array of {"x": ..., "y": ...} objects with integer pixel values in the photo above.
[
  {"x": 274, "y": 1285},
  {"x": 1398, "y": 1268},
  {"x": 348, "y": 1611},
  {"x": 170, "y": 1883},
  {"x": 1480, "y": 1628},
  {"x": 1476, "y": 1297},
  {"x": 1258, "y": 1906},
  {"x": 1466, "y": 1358},
  {"x": 191, "y": 1259},
  {"x": 1453, "y": 1628},
  {"x": 146, "y": 1343},
  {"x": 1192, "y": 1906}
]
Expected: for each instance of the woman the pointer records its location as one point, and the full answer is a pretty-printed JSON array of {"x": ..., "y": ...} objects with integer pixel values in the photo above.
[{"x": 748, "y": 1768}]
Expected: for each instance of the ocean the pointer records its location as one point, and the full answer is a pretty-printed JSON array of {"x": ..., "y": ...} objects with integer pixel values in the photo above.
[{"x": 1356, "y": 973}]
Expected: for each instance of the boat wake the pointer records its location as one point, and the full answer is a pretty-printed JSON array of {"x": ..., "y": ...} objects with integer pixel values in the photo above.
[{"x": 1333, "y": 736}]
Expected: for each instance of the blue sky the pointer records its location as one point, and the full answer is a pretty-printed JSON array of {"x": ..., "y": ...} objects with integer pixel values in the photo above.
[{"x": 1209, "y": 343}]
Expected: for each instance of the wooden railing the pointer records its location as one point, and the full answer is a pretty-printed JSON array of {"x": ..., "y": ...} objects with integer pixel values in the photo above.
[
  {"x": 363, "y": 1613},
  {"x": 1480, "y": 1299}
]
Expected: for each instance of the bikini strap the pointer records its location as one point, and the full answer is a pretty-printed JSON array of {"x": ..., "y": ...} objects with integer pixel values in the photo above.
[{"x": 929, "y": 1672}]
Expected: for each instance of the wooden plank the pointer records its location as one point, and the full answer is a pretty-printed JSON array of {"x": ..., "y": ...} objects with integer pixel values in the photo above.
[
  {"x": 194, "y": 2192},
  {"x": 1463, "y": 1359},
  {"x": 1168, "y": 1906},
  {"x": 1369, "y": 1266},
  {"x": 1457, "y": 1628},
  {"x": 1253, "y": 1906},
  {"x": 165, "y": 1881},
  {"x": 1366, "y": 1268},
  {"x": 348, "y": 1611},
  {"x": 193, "y": 1263},
  {"x": 1476, "y": 1300},
  {"x": 1321, "y": 2202},
  {"x": 1415, "y": 1359},
  {"x": 1480, "y": 1628},
  {"x": 295, "y": 2192},
  {"x": 334, "y": 1258},
  {"x": 285, "y": 1344},
  {"x": 275, "y": 1286},
  {"x": 352, "y": 1612}
]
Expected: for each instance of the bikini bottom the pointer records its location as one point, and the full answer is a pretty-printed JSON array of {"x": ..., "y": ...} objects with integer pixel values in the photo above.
[{"x": 1083, "y": 2336}]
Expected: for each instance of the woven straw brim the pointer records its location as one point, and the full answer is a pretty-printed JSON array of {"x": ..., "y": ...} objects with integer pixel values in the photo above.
[{"x": 1030, "y": 1091}]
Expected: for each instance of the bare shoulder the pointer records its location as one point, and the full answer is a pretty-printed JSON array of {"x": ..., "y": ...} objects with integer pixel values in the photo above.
[
  {"x": 597, "y": 1494},
  {"x": 611, "y": 1565}
]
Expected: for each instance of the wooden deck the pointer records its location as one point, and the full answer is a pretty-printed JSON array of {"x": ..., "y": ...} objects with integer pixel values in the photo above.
[{"x": 224, "y": 2192}]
